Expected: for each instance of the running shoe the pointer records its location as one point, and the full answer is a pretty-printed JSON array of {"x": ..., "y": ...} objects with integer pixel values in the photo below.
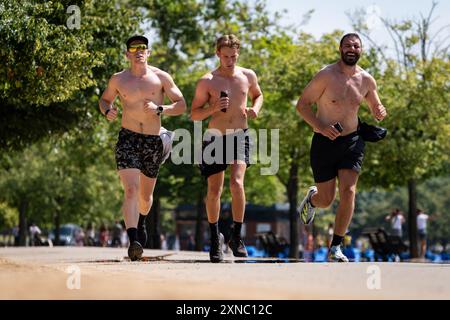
[
  {"x": 215, "y": 251},
  {"x": 135, "y": 251},
  {"x": 237, "y": 246},
  {"x": 335, "y": 255},
  {"x": 305, "y": 209}
]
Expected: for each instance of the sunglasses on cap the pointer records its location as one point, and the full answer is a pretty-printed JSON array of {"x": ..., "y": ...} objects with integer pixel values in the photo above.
[{"x": 136, "y": 47}]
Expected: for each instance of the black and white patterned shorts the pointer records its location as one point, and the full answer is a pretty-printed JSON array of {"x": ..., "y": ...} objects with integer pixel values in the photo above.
[{"x": 139, "y": 151}]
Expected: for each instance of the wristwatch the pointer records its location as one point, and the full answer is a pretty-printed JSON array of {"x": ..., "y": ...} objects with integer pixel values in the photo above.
[{"x": 160, "y": 110}]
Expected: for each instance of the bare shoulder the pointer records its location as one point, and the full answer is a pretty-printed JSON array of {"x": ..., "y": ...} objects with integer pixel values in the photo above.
[
  {"x": 119, "y": 75},
  {"x": 205, "y": 80},
  {"x": 162, "y": 75},
  {"x": 249, "y": 73},
  {"x": 207, "y": 77},
  {"x": 367, "y": 78},
  {"x": 326, "y": 73},
  {"x": 118, "y": 78}
]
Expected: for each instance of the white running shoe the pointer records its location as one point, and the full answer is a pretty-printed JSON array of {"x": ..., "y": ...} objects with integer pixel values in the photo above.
[
  {"x": 305, "y": 209},
  {"x": 336, "y": 255}
]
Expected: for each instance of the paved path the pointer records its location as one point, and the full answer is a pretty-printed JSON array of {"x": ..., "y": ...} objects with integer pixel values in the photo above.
[{"x": 105, "y": 273}]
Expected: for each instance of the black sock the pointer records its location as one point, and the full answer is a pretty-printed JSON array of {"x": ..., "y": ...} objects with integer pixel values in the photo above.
[
  {"x": 132, "y": 234},
  {"x": 141, "y": 220},
  {"x": 336, "y": 240},
  {"x": 237, "y": 226},
  {"x": 214, "y": 227}
]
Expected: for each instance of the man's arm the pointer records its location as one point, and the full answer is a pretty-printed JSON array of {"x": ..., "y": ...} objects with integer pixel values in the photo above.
[
  {"x": 255, "y": 94},
  {"x": 311, "y": 95},
  {"x": 377, "y": 109},
  {"x": 201, "y": 97},
  {"x": 106, "y": 100},
  {"x": 174, "y": 94}
]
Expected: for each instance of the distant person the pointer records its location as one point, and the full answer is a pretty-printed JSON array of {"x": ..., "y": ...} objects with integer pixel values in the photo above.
[
  {"x": 103, "y": 235},
  {"x": 116, "y": 234},
  {"x": 330, "y": 233},
  {"x": 15, "y": 233},
  {"x": 124, "y": 236},
  {"x": 90, "y": 235},
  {"x": 422, "y": 220},
  {"x": 397, "y": 220},
  {"x": 35, "y": 235},
  {"x": 79, "y": 237},
  {"x": 163, "y": 242}
]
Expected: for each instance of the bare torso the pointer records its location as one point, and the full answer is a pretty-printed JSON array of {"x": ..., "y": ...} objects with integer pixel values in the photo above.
[
  {"x": 237, "y": 87},
  {"x": 342, "y": 97},
  {"x": 134, "y": 92}
]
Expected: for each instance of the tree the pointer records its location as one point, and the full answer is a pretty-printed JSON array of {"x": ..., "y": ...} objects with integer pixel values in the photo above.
[
  {"x": 414, "y": 87},
  {"x": 57, "y": 181},
  {"x": 50, "y": 72}
]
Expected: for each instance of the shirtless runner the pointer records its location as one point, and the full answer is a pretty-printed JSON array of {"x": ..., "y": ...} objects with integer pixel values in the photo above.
[
  {"x": 225, "y": 90},
  {"x": 139, "y": 150},
  {"x": 337, "y": 150}
]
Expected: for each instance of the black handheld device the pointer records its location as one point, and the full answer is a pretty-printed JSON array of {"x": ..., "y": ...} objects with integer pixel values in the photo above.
[{"x": 223, "y": 94}]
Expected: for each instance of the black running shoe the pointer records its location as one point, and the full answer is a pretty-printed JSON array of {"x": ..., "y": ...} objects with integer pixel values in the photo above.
[
  {"x": 135, "y": 251},
  {"x": 215, "y": 251},
  {"x": 237, "y": 246},
  {"x": 142, "y": 235}
]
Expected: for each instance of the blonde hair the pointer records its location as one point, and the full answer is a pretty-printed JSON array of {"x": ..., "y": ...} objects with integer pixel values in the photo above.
[{"x": 228, "y": 40}]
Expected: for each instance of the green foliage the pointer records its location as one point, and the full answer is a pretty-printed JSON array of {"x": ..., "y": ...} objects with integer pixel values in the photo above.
[
  {"x": 8, "y": 216},
  {"x": 414, "y": 87},
  {"x": 49, "y": 73},
  {"x": 60, "y": 152},
  {"x": 60, "y": 177}
]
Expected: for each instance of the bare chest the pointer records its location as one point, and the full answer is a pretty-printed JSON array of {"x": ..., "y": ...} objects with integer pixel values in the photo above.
[
  {"x": 237, "y": 88},
  {"x": 344, "y": 91},
  {"x": 133, "y": 89}
]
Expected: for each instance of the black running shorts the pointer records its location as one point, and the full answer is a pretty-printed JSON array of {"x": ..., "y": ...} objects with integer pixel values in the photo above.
[
  {"x": 238, "y": 149},
  {"x": 328, "y": 156}
]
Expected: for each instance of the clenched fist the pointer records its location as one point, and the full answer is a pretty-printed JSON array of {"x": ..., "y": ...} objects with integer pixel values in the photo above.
[{"x": 111, "y": 113}]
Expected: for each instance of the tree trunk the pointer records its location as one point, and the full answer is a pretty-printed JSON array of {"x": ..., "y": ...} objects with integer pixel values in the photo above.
[
  {"x": 292, "y": 191},
  {"x": 57, "y": 227},
  {"x": 412, "y": 220},
  {"x": 198, "y": 224},
  {"x": 23, "y": 223},
  {"x": 153, "y": 227}
]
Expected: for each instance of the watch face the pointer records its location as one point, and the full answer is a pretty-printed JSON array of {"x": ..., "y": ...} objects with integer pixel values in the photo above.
[{"x": 160, "y": 108}]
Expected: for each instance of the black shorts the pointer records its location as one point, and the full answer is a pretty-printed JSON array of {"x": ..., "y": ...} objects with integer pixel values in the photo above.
[
  {"x": 139, "y": 151},
  {"x": 328, "y": 156},
  {"x": 422, "y": 234},
  {"x": 238, "y": 149}
]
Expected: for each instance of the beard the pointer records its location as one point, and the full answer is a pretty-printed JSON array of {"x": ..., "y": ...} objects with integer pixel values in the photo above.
[{"x": 350, "y": 60}]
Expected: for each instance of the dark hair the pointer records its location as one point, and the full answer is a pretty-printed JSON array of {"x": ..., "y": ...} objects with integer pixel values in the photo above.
[
  {"x": 350, "y": 35},
  {"x": 228, "y": 40}
]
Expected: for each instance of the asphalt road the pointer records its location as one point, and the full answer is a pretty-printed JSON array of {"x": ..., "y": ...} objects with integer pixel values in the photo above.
[{"x": 106, "y": 273}]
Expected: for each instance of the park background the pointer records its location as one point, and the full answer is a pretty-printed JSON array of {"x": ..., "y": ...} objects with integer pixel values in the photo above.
[{"x": 57, "y": 151}]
